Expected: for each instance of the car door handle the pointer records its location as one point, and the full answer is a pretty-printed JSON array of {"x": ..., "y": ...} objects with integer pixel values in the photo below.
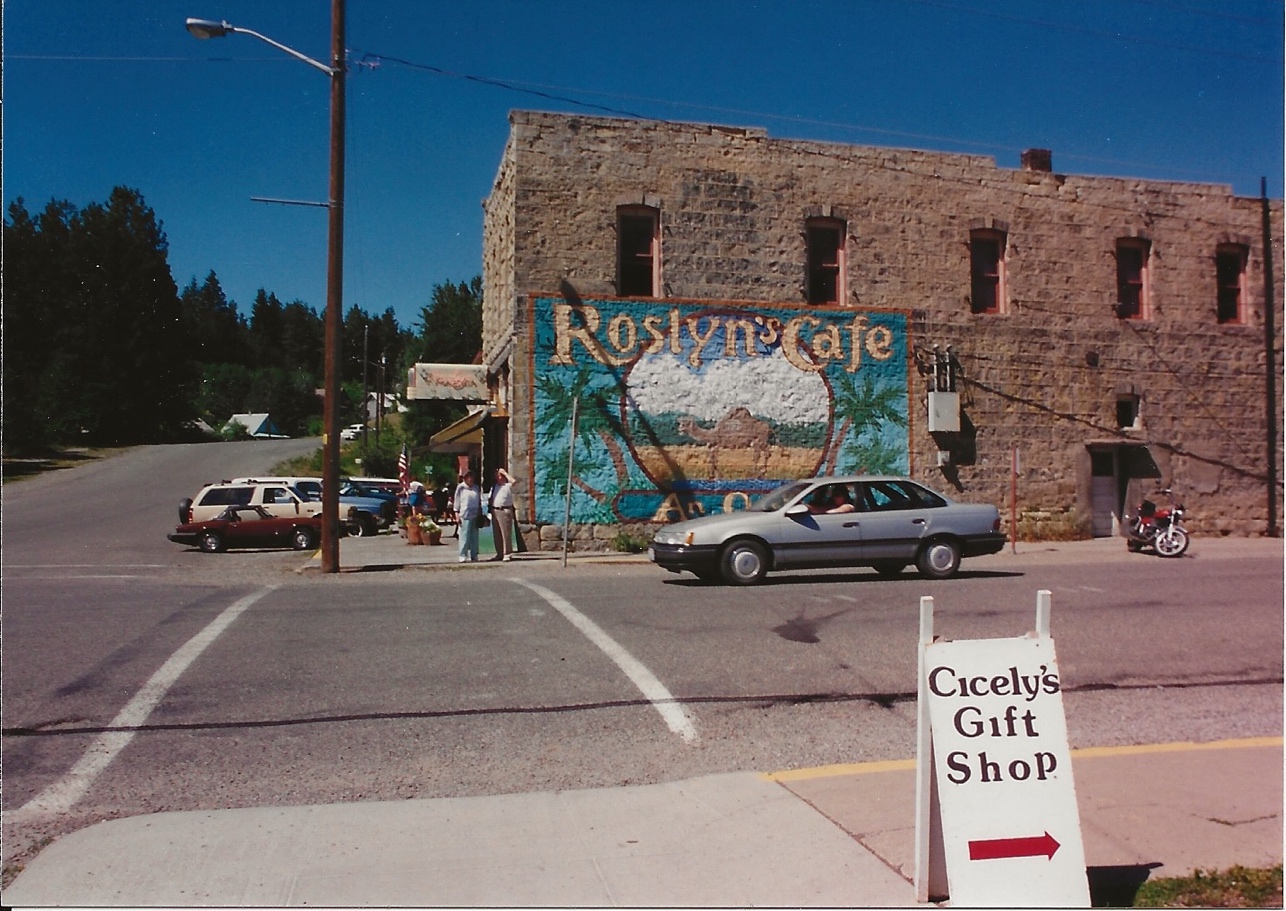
[
  {"x": 852, "y": 524},
  {"x": 917, "y": 521}
]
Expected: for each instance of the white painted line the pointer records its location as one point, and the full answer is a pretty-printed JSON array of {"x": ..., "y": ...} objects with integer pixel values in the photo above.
[
  {"x": 675, "y": 716},
  {"x": 63, "y": 794}
]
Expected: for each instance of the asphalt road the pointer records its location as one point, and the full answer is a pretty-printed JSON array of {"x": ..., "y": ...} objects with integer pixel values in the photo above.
[{"x": 269, "y": 686}]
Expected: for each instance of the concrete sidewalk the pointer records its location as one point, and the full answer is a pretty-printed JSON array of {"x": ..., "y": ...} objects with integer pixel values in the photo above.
[{"x": 838, "y": 836}]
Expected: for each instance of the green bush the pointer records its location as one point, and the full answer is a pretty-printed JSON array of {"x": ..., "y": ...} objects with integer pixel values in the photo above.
[
  {"x": 232, "y": 432},
  {"x": 628, "y": 542},
  {"x": 1236, "y": 887}
]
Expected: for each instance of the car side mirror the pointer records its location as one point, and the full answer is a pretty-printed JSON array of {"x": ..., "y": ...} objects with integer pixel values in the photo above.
[{"x": 799, "y": 509}]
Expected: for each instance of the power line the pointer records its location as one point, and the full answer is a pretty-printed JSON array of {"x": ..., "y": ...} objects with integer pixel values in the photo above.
[
  {"x": 498, "y": 83},
  {"x": 1099, "y": 33},
  {"x": 564, "y": 94}
]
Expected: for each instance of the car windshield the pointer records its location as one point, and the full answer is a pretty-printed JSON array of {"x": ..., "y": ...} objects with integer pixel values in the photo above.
[{"x": 775, "y": 500}]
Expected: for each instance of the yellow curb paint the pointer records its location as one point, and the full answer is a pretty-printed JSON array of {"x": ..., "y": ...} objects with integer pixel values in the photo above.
[
  {"x": 851, "y": 768},
  {"x": 906, "y": 765},
  {"x": 1182, "y": 747}
]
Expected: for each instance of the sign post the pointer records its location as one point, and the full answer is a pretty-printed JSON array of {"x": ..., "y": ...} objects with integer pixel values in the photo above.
[{"x": 997, "y": 822}]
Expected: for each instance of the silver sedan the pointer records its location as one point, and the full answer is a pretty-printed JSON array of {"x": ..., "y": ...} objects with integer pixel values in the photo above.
[{"x": 884, "y": 522}]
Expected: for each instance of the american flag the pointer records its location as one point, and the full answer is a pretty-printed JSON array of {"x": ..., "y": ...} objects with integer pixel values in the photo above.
[{"x": 404, "y": 469}]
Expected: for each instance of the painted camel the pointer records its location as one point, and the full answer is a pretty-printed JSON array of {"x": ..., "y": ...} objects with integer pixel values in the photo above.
[{"x": 736, "y": 430}]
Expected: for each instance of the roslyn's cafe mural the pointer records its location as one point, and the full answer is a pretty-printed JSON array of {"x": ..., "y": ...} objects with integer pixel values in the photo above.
[{"x": 686, "y": 409}]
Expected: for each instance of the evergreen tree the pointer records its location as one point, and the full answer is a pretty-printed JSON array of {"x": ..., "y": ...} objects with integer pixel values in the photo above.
[
  {"x": 222, "y": 391},
  {"x": 216, "y": 333},
  {"x": 450, "y": 333},
  {"x": 101, "y": 347},
  {"x": 91, "y": 299},
  {"x": 303, "y": 339},
  {"x": 28, "y": 322},
  {"x": 266, "y": 330},
  {"x": 451, "y": 325}
]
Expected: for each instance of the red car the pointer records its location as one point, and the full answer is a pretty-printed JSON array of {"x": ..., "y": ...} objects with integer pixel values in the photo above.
[{"x": 249, "y": 526}]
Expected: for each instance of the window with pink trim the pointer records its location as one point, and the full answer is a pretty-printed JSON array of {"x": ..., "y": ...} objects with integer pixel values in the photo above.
[
  {"x": 1132, "y": 278},
  {"x": 638, "y": 251},
  {"x": 825, "y": 242},
  {"x": 987, "y": 271},
  {"x": 1230, "y": 276}
]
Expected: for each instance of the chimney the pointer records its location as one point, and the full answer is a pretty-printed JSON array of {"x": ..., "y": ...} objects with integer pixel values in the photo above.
[{"x": 1038, "y": 160}]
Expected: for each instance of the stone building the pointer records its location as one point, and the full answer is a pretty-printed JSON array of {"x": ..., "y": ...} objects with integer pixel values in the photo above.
[{"x": 724, "y": 310}]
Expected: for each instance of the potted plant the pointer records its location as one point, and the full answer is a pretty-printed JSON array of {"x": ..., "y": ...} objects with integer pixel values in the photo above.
[
  {"x": 414, "y": 533},
  {"x": 431, "y": 531}
]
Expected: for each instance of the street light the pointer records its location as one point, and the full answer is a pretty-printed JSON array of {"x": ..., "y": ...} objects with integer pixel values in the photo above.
[{"x": 209, "y": 28}]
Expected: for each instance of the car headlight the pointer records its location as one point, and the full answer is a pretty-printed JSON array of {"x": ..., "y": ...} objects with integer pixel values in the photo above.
[{"x": 664, "y": 536}]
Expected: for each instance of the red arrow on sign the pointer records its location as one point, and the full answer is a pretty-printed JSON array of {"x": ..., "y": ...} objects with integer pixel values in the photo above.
[{"x": 995, "y": 848}]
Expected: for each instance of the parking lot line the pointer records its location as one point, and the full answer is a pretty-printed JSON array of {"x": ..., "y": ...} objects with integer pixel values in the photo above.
[
  {"x": 63, "y": 794},
  {"x": 675, "y": 716}
]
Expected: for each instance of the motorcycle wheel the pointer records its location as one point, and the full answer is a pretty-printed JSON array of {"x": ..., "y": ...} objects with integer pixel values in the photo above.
[{"x": 1172, "y": 542}]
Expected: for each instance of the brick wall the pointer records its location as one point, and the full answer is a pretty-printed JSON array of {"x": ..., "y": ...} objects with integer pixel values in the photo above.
[{"x": 1043, "y": 377}]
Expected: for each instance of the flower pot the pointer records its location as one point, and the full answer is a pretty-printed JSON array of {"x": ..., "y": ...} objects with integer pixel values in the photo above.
[
  {"x": 414, "y": 535},
  {"x": 435, "y": 537}
]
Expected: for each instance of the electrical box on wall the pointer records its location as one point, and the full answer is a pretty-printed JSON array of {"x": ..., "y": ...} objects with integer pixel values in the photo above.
[{"x": 944, "y": 412}]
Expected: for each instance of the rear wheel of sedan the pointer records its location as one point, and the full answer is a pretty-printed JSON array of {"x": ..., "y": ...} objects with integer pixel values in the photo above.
[
  {"x": 211, "y": 542},
  {"x": 744, "y": 563},
  {"x": 939, "y": 559},
  {"x": 302, "y": 539}
]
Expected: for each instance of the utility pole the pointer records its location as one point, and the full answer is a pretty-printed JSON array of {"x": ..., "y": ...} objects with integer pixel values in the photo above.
[
  {"x": 334, "y": 295},
  {"x": 1270, "y": 359},
  {"x": 366, "y": 386},
  {"x": 210, "y": 28},
  {"x": 379, "y": 402}
]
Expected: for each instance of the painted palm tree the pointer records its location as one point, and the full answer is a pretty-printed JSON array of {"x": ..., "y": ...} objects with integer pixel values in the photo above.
[
  {"x": 862, "y": 408},
  {"x": 598, "y": 417},
  {"x": 875, "y": 457},
  {"x": 553, "y": 475}
]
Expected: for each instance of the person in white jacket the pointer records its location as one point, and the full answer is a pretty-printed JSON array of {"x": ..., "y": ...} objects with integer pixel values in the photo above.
[
  {"x": 468, "y": 507},
  {"x": 502, "y": 515}
]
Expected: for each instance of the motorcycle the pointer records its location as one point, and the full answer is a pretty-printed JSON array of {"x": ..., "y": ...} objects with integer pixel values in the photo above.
[{"x": 1158, "y": 528}]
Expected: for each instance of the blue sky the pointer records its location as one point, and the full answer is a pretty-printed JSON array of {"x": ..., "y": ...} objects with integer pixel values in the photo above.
[{"x": 100, "y": 93}]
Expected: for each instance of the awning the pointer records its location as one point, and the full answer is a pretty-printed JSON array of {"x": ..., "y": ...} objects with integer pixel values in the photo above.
[{"x": 463, "y": 433}]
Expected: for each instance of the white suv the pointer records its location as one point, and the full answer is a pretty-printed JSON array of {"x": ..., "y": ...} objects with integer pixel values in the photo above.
[{"x": 277, "y": 499}]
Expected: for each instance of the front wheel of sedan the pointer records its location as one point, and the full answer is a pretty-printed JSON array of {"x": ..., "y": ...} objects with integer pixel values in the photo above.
[
  {"x": 744, "y": 563},
  {"x": 211, "y": 542},
  {"x": 939, "y": 559}
]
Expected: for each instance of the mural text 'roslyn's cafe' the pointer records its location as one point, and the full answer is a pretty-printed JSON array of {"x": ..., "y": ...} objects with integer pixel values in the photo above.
[{"x": 684, "y": 409}]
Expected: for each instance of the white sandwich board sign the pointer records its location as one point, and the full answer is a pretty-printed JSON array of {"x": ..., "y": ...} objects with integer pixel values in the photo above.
[{"x": 1002, "y": 820}]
